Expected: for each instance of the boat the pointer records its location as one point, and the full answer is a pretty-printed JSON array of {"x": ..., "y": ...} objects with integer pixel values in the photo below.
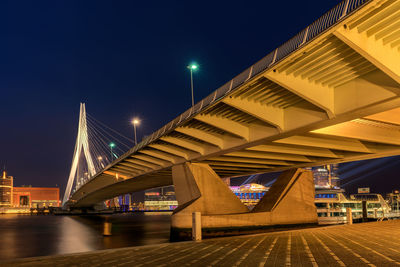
[{"x": 332, "y": 204}]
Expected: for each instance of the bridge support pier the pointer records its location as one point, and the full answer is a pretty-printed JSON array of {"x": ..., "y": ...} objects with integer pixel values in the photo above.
[{"x": 289, "y": 202}]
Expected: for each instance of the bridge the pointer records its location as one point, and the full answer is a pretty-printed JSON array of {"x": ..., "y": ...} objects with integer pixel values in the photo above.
[{"x": 330, "y": 94}]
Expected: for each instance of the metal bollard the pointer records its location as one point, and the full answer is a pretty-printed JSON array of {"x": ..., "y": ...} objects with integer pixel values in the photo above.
[
  {"x": 376, "y": 213},
  {"x": 349, "y": 215},
  {"x": 196, "y": 226},
  {"x": 107, "y": 228}
]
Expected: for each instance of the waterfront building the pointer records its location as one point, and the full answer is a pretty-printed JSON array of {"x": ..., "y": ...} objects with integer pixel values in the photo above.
[
  {"x": 249, "y": 194},
  {"x": 6, "y": 190},
  {"x": 36, "y": 197},
  {"x": 21, "y": 199},
  {"x": 160, "y": 199},
  {"x": 124, "y": 202},
  {"x": 326, "y": 176}
]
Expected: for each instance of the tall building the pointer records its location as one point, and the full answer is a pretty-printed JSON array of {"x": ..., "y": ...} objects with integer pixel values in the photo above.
[
  {"x": 326, "y": 176},
  {"x": 6, "y": 190}
]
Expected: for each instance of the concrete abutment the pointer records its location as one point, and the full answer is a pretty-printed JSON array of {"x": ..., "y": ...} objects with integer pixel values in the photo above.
[{"x": 289, "y": 202}]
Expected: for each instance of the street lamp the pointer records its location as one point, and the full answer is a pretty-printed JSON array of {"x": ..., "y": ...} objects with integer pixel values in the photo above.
[
  {"x": 112, "y": 145},
  {"x": 192, "y": 67},
  {"x": 100, "y": 158},
  {"x": 135, "y": 122}
]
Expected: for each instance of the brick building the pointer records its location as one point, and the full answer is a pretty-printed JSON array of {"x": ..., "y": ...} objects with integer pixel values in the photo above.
[
  {"x": 36, "y": 197},
  {"x": 26, "y": 197}
]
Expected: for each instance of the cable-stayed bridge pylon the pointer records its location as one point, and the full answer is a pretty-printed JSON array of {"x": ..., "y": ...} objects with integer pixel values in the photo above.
[{"x": 97, "y": 145}]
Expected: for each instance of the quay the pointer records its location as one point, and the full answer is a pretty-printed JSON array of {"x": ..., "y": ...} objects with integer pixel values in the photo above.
[{"x": 364, "y": 244}]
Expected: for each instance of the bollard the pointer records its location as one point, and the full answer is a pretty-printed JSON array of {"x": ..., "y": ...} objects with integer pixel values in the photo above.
[
  {"x": 196, "y": 226},
  {"x": 349, "y": 216},
  {"x": 364, "y": 211},
  {"x": 107, "y": 228},
  {"x": 376, "y": 213}
]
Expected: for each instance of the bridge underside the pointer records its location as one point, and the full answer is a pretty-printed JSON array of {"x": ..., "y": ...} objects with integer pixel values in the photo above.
[{"x": 334, "y": 98}]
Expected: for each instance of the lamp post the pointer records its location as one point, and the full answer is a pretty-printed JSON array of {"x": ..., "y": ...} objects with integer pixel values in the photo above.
[
  {"x": 192, "y": 67},
  {"x": 135, "y": 122},
  {"x": 112, "y": 145},
  {"x": 100, "y": 158}
]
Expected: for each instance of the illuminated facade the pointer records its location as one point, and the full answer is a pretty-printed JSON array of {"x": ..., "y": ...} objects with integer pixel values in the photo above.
[
  {"x": 36, "y": 197},
  {"x": 6, "y": 190},
  {"x": 326, "y": 176},
  {"x": 249, "y": 194},
  {"x": 163, "y": 200},
  {"x": 23, "y": 198}
]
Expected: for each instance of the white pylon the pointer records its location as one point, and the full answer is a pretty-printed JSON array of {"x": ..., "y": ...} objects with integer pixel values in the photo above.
[{"x": 82, "y": 143}]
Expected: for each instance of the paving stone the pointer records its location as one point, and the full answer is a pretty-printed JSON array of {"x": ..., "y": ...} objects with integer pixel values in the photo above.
[{"x": 367, "y": 244}]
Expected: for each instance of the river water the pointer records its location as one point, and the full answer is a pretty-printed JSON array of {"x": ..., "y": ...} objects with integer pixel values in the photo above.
[{"x": 40, "y": 235}]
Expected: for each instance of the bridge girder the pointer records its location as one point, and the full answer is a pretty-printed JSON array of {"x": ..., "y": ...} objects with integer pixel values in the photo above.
[{"x": 335, "y": 98}]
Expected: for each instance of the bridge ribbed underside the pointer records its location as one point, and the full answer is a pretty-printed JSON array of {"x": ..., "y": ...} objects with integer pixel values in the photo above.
[{"x": 329, "y": 95}]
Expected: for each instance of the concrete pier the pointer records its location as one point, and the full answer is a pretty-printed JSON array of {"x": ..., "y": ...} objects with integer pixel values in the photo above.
[
  {"x": 290, "y": 201},
  {"x": 365, "y": 244}
]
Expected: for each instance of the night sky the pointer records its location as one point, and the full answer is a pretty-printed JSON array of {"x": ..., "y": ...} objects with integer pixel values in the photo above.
[{"x": 123, "y": 59}]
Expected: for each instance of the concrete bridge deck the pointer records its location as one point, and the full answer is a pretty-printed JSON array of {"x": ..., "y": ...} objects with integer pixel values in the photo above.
[
  {"x": 367, "y": 244},
  {"x": 330, "y": 94}
]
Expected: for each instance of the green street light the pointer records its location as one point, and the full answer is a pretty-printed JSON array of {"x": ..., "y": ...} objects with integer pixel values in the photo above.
[
  {"x": 192, "y": 67},
  {"x": 112, "y": 145}
]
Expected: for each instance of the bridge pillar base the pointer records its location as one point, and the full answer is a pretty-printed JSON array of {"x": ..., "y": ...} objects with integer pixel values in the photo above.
[{"x": 288, "y": 203}]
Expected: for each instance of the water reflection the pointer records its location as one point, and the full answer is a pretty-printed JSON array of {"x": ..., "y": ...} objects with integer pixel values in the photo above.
[
  {"x": 75, "y": 236},
  {"x": 8, "y": 243},
  {"x": 28, "y": 236}
]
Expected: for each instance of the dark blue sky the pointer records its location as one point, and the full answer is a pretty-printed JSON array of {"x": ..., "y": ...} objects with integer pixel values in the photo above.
[{"x": 122, "y": 58}]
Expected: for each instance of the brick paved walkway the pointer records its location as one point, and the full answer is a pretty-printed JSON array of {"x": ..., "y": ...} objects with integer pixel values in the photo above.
[{"x": 368, "y": 244}]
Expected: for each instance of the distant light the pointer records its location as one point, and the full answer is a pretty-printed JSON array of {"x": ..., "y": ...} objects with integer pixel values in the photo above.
[
  {"x": 193, "y": 66},
  {"x": 112, "y": 145}
]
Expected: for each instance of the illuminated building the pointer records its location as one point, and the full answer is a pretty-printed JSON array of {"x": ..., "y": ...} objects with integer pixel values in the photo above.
[
  {"x": 160, "y": 200},
  {"x": 6, "y": 189},
  {"x": 249, "y": 194},
  {"x": 19, "y": 199},
  {"x": 36, "y": 197},
  {"x": 326, "y": 176},
  {"x": 124, "y": 202}
]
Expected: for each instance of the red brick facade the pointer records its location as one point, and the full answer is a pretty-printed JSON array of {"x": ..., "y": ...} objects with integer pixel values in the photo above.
[{"x": 36, "y": 197}]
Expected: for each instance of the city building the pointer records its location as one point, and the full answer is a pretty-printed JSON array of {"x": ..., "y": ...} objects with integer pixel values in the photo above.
[
  {"x": 6, "y": 190},
  {"x": 36, "y": 197},
  {"x": 160, "y": 199},
  {"x": 326, "y": 176},
  {"x": 249, "y": 194},
  {"x": 22, "y": 199}
]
